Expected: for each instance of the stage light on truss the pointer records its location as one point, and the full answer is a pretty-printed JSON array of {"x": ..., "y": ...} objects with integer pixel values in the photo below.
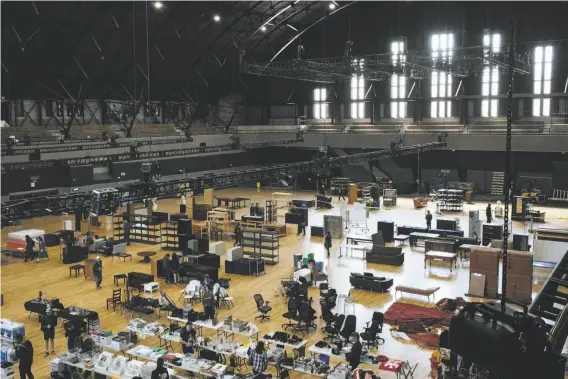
[
  {"x": 158, "y": 5},
  {"x": 332, "y": 6},
  {"x": 217, "y": 18},
  {"x": 291, "y": 27}
]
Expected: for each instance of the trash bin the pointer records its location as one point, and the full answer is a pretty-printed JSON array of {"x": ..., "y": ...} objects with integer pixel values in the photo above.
[{"x": 298, "y": 260}]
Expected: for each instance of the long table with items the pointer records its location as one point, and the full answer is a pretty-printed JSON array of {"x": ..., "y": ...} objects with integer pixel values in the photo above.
[{"x": 221, "y": 327}]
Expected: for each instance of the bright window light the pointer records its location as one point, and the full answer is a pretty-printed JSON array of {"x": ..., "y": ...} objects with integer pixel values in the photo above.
[
  {"x": 542, "y": 79},
  {"x": 398, "y": 82},
  {"x": 358, "y": 91},
  {"x": 490, "y": 77},
  {"x": 320, "y": 105},
  {"x": 441, "y": 85}
]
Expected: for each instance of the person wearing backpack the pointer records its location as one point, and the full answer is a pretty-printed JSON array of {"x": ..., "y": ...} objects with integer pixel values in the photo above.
[
  {"x": 98, "y": 272},
  {"x": 41, "y": 251},
  {"x": 25, "y": 354},
  {"x": 29, "y": 249}
]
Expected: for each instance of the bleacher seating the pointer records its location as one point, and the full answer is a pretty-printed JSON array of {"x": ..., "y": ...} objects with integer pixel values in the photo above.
[
  {"x": 559, "y": 129},
  {"x": 36, "y": 133},
  {"x": 323, "y": 128},
  {"x": 499, "y": 126},
  {"x": 436, "y": 125},
  {"x": 154, "y": 130},
  {"x": 89, "y": 131},
  {"x": 380, "y": 127}
]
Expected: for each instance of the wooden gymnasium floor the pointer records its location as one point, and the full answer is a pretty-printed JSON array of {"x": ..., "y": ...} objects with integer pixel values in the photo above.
[{"x": 22, "y": 281}]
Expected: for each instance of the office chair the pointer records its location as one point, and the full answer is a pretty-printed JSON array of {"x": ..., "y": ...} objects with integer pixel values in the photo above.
[
  {"x": 379, "y": 317},
  {"x": 348, "y": 328},
  {"x": 292, "y": 314},
  {"x": 262, "y": 307},
  {"x": 369, "y": 336},
  {"x": 333, "y": 331},
  {"x": 306, "y": 318},
  {"x": 327, "y": 316}
]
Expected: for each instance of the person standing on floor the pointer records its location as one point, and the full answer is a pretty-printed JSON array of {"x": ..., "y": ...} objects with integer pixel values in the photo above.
[
  {"x": 29, "y": 249},
  {"x": 258, "y": 359},
  {"x": 167, "y": 268},
  {"x": 428, "y": 220},
  {"x": 209, "y": 302},
  {"x": 48, "y": 324},
  {"x": 188, "y": 337},
  {"x": 41, "y": 251},
  {"x": 98, "y": 272},
  {"x": 126, "y": 227},
  {"x": 342, "y": 193},
  {"x": 175, "y": 268},
  {"x": 160, "y": 372},
  {"x": 238, "y": 234},
  {"x": 302, "y": 225},
  {"x": 488, "y": 213},
  {"x": 72, "y": 331},
  {"x": 327, "y": 243},
  {"x": 25, "y": 354}
]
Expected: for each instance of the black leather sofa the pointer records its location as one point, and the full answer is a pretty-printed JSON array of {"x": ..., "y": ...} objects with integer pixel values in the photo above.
[
  {"x": 369, "y": 282},
  {"x": 385, "y": 255},
  {"x": 138, "y": 279}
]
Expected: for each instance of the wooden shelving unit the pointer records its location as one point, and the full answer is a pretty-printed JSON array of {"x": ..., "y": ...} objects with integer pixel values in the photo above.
[
  {"x": 117, "y": 226},
  {"x": 169, "y": 235},
  {"x": 141, "y": 230},
  {"x": 262, "y": 244},
  {"x": 281, "y": 201}
]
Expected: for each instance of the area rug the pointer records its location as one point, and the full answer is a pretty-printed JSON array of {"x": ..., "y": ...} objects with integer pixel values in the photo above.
[{"x": 404, "y": 313}]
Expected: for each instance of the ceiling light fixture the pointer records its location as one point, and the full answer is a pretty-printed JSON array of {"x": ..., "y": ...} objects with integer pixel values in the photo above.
[
  {"x": 158, "y": 5},
  {"x": 331, "y": 6},
  {"x": 291, "y": 27},
  {"x": 263, "y": 28},
  {"x": 216, "y": 18}
]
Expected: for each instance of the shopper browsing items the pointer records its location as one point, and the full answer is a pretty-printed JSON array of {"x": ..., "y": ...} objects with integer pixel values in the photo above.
[
  {"x": 42, "y": 251},
  {"x": 160, "y": 372},
  {"x": 258, "y": 359},
  {"x": 188, "y": 337},
  {"x": 354, "y": 356},
  {"x": 25, "y": 355}
]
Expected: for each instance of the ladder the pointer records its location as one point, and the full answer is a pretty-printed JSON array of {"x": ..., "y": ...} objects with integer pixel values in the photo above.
[
  {"x": 497, "y": 183},
  {"x": 553, "y": 296}
]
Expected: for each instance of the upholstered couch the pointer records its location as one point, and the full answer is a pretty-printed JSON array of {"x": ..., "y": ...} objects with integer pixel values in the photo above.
[
  {"x": 369, "y": 282},
  {"x": 386, "y": 255}
]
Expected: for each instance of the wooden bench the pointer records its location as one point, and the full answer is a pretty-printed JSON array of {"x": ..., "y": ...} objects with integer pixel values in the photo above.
[
  {"x": 417, "y": 291},
  {"x": 441, "y": 256}
]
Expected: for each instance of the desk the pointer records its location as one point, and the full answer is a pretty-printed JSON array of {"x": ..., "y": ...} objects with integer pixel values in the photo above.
[
  {"x": 415, "y": 236},
  {"x": 441, "y": 256},
  {"x": 146, "y": 255},
  {"x": 232, "y": 202},
  {"x": 122, "y": 255},
  {"x": 365, "y": 238},
  {"x": 463, "y": 251},
  {"x": 347, "y": 247},
  {"x": 300, "y": 346}
]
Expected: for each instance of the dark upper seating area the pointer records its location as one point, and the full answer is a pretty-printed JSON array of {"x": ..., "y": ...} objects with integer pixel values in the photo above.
[
  {"x": 434, "y": 125},
  {"x": 499, "y": 125}
]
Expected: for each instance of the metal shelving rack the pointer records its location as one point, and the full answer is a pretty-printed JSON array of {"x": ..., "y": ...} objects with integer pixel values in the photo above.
[
  {"x": 270, "y": 211},
  {"x": 263, "y": 244},
  {"x": 169, "y": 235},
  {"x": 450, "y": 200},
  {"x": 149, "y": 234}
]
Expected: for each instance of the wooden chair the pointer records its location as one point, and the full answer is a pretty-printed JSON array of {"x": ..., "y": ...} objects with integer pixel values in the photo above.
[{"x": 115, "y": 299}]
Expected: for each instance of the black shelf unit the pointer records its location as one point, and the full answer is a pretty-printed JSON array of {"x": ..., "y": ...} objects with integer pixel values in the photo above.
[
  {"x": 450, "y": 200},
  {"x": 262, "y": 244},
  {"x": 148, "y": 233},
  {"x": 492, "y": 232},
  {"x": 271, "y": 211},
  {"x": 117, "y": 226},
  {"x": 169, "y": 235}
]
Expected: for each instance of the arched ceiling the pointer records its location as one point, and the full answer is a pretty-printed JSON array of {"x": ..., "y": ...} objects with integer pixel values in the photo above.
[{"x": 101, "y": 49}]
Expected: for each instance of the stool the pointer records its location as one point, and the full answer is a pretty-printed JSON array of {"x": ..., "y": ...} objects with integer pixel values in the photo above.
[
  {"x": 119, "y": 276},
  {"x": 77, "y": 269}
]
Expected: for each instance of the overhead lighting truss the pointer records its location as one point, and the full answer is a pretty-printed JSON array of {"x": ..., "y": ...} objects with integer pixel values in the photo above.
[
  {"x": 466, "y": 61},
  {"x": 42, "y": 206}
]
